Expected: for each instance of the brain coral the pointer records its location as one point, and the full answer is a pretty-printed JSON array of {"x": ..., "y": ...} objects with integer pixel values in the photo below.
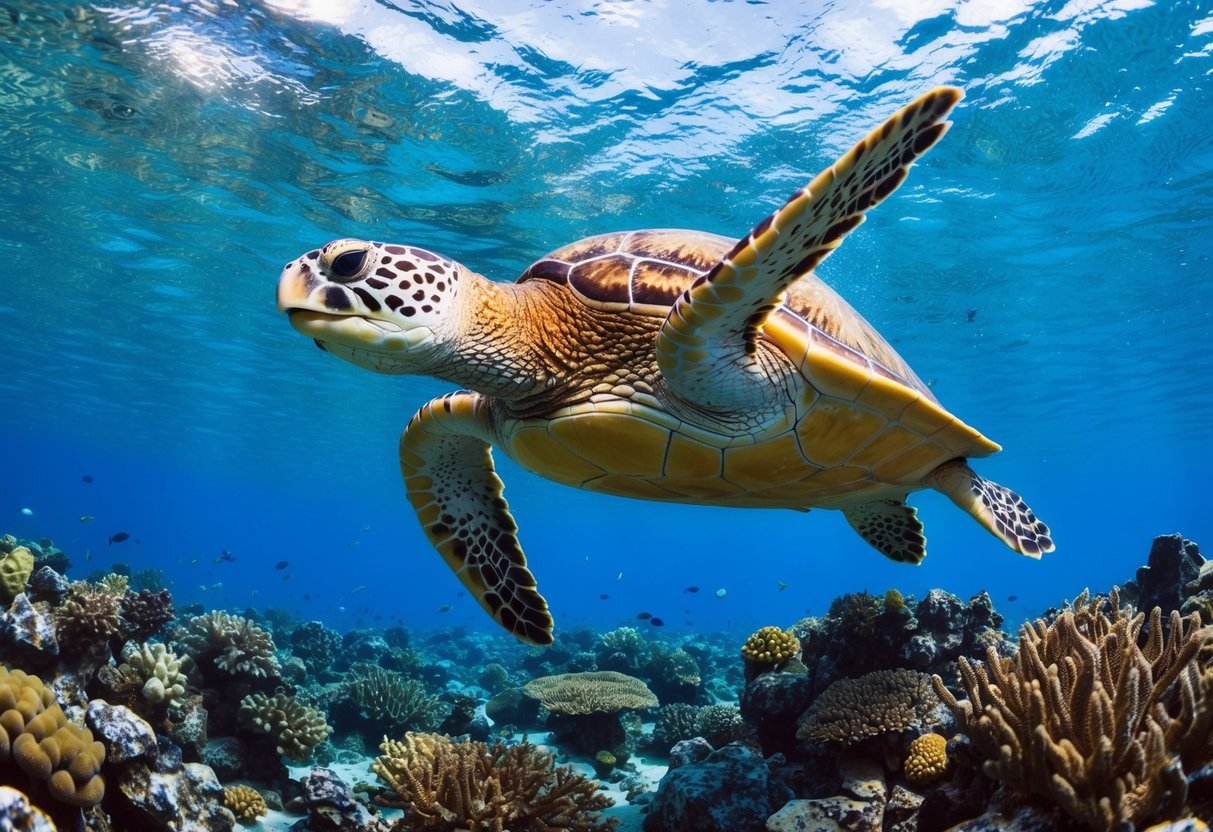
[
  {"x": 876, "y": 703},
  {"x": 37, "y": 736},
  {"x": 603, "y": 691},
  {"x": 295, "y": 727},
  {"x": 927, "y": 759},
  {"x": 15, "y": 568},
  {"x": 770, "y": 645}
]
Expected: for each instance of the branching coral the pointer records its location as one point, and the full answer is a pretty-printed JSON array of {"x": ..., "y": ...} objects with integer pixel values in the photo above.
[
  {"x": 246, "y": 803},
  {"x": 145, "y": 612},
  {"x": 295, "y": 727},
  {"x": 88, "y": 618},
  {"x": 394, "y": 701},
  {"x": 446, "y": 786},
  {"x": 876, "y": 703},
  {"x": 235, "y": 645},
  {"x": 37, "y": 736},
  {"x": 159, "y": 669},
  {"x": 1084, "y": 716}
]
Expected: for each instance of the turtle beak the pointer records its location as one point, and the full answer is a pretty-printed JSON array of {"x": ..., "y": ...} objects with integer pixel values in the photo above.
[{"x": 295, "y": 285}]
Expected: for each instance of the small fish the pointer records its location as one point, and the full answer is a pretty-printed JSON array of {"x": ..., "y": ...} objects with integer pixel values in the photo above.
[
  {"x": 227, "y": 556},
  {"x": 282, "y": 564},
  {"x": 87, "y": 518},
  {"x": 194, "y": 562},
  {"x": 119, "y": 537},
  {"x": 254, "y": 592},
  {"x": 446, "y": 608},
  {"x": 656, "y": 622},
  {"x": 720, "y": 593},
  {"x": 357, "y": 589},
  {"x": 691, "y": 589},
  {"x": 307, "y": 596},
  {"x": 351, "y": 544},
  {"x": 217, "y": 586},
  {"x": 202, "y": 587},
  {"x": 286, "y": 578},
  {"x": 971, "y": 316},
  {"x": 366, "y": 529},
  {"x": 603, "y": 597},
  {"x": 87, "y": 478},
  {"x": 88, "y": 554},
  {"x": 28, "y": 512},
  {"x": 1012, "y": 598},
  {"x": 341, "y": 609},
  {"x": 782, "y": 586},
  {"x": 619, "y": 577},
  {"x": 644, "y": 616}
]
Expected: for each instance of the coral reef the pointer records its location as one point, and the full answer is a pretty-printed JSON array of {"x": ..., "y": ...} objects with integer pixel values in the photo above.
[
  {"x": 246, "y": 803},
  {"x": 295, "y": 728},
  {"x": 602, "y": 691},
  {"x": 927, "y": 759},
  {"x": 88, "y": 619},
  {"x": 770, "y": 646},
  {"x": 316, "y": 644},
  {"x": 16, "y": 566},
  {"x": 145, "y": 612},
  {"x": 159, "y": 669},
  {"x": 393, "y": 702},
  {"x": 232, "y": 644},
  {"x": 37, "y": 736},
  {"x": 881, "y": 702},
  {"x": 1085, "y": 717},
  {"x": 446, "y": 786}
]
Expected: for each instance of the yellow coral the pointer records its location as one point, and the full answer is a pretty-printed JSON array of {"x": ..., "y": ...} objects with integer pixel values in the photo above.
[
  {"x": 894, "y": 601},
  {"x": 295, "y": 727},
  {"x": 602, "y": 691},
  {"x": 15, "y": 569},
  {"x": 246, "y": 803},
  {"x": 927, "y": 759},
  {"x": 37, "y": 736},
  {"x": 770, "y": 645}
]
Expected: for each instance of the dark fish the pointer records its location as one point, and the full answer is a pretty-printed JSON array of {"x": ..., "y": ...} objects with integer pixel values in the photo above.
[
  {"x": 656, "y": 622},
  {"x": 307, "y": 596},
  {"x": 119, "y": 537},
  {"x": 644, "y": 616},
  {"x": 225, "y": 555},
  {"x": 691, "y": 589},
  {"x": 282, "y": 564},
  {"x": 603, "y": 597},
  {"x": 446, "y": 608},
  {"x": 971, "y": 316},
  {"x": 87, "y": 478},
  {"x": 1012, "y": 598}
]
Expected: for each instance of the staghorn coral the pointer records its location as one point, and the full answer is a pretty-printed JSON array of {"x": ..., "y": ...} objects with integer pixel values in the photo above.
[
  {"x": 37, "y": 736},
  {"x": 770, "y": 646},
  {"x": 88, "y": 618},
  {"x": 16, "y": 565},
  {"x": 393, "y": 701},
  {"x": 159, "y": 669},
  {"x": 603, "y": 691},
  {"x": 445, "y": 786},
  {"x": 233, "y": 644},
  {"x": 246, "y": 803},
  {"x": 144, "y": 612},
  {"x": 881, "y": 702},
  {"x": 295, "y": 727},
  {"x": 926, "y": 760},
  {"x": 1085, "y": 716}
]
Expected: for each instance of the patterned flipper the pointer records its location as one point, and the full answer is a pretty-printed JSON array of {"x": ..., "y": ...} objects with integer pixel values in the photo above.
[
  {"x": 449, "y": 478},
  {"x": 891, "y": 527},
  {"x": 713, "y": 326},
  {"x": 999, "y": 509}
]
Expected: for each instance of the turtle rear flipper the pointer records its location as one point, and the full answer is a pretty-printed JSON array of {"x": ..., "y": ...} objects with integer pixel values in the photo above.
[
  {"x": 999, "y": 509},
  {"x": 450, "y": 480},
  {"x": 706, "y": 345}
]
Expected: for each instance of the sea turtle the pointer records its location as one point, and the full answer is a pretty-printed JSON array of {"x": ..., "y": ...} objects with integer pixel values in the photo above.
[{"x": 659, "y": 364}]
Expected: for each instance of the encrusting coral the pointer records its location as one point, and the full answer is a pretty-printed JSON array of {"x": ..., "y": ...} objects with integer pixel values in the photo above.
[
  {"x": 246, "y": 803},
  {"x": 770, "y": 646},
  {"x": 926, "y": 760},
  {"x": 881, "y": 702},
  {"x": 1084, "y": 716},
  {"x": 37, "y": 736},
  {"x": 446, "y": 786},
  {"x": 235, "y": 645},
  {"x": 160, "y": 670},
  {"x": 295, "y": 727}
]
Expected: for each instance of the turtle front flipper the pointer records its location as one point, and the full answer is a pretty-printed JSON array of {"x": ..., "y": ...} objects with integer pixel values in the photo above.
[
  {"x": 706, "y": 345},
  {"x": 447, "y": 465},
  {"x": 1003, "y": 512},
  {"x": 891, "y": 527}
]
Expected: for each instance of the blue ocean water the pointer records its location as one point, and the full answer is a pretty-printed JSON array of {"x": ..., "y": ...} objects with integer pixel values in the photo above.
[{"x": 1046, "y": 268}]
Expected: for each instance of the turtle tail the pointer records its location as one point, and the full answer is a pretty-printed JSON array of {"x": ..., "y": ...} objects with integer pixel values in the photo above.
[{"x": 1003, "y": 512}]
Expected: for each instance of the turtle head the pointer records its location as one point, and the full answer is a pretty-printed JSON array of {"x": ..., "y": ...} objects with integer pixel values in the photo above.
[{"x": 388, "y": 308}]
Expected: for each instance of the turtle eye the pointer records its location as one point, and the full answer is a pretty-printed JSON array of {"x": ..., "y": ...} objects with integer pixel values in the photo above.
[{"x": 348, "y": 265}]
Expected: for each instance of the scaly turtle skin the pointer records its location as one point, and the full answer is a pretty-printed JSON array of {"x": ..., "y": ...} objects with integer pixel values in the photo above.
[{"x": 660, "y": 364}]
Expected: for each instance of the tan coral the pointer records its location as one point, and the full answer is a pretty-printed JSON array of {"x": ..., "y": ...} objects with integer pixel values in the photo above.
[
  {"x": 881, "y": 702},
  {"x": 927, "y": 759},
  {"x": 246, "y": 803},
  {"x": 1084, "y": 716},
  {"x": 446, "y": 786},
  {"x": 295, "y": 727},
  {"x": 770, "y": 646},
  {"x": 602, "y": 691},
  {"x": 15, "y": 568},
  {"x": 39, "y": 738},
  {"x": 160, "y": 670}
]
